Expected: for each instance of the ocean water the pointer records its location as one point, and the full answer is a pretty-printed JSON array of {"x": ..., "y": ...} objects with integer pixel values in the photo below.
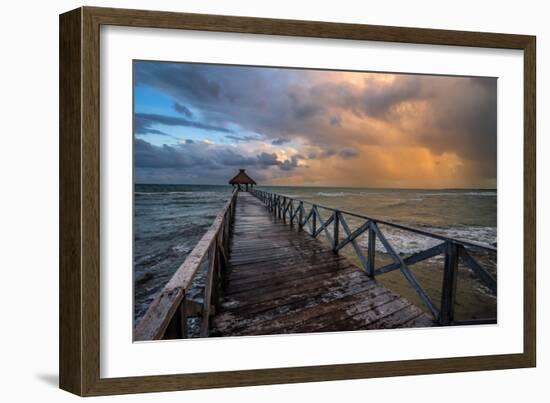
[{"x": 170, "y": 219}]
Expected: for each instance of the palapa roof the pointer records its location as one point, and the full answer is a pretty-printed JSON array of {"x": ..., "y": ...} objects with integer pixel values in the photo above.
[{"x": 242, "y": 179}]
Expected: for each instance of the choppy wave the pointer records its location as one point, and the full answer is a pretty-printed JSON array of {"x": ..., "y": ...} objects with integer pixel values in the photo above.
[
  {"x": 482, "y": 194},
  {"x": 328, "y": 194},
  {"x": 405, "y": 242}
]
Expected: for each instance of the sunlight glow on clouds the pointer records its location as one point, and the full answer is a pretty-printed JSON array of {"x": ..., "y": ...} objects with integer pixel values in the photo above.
[{"x": 199, "y": 123}]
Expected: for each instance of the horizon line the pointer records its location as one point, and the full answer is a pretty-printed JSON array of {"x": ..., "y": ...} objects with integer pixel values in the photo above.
[{"x": 327, "y": 186}]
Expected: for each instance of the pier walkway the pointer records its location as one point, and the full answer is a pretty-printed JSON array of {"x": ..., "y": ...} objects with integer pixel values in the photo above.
[
  {"x": 266, "y": 272},
  {"x": 281, "y": 280}
]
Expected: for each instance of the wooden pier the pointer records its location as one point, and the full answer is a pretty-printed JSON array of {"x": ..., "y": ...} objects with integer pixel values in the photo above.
[
  {"x": 284, "y": 281},
  {"x": 268, "y": 274}
]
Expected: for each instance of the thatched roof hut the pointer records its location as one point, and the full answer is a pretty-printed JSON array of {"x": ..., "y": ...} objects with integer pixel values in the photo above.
[{"x": 242, "y": 179}]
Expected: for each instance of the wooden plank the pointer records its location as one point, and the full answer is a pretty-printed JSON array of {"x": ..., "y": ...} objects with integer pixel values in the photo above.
[
  {"x": 351, "y": 237},
  {"x": 448, "y": 294},
  {"x": 414, "y": 258},
  {"x": 396, "y": 319},
  {"x": 363, "y": 319},
  {"x": 419, "y": 321},
  {"x": 294, "y": 287},
  {"x": 371, "y": 252},
  {"x": 317, "y": 317},
  {"x": 229, "y": 322},
  {"x": 208, "y": 289},
  {"x": 336, "y": 284},
  {"x": 287, "y": 283},
  {"x": 280, "y": 276},
  {"x": 336, "y": 232},
  {"x": 273, "y": 268},
  {"x": 324, "y": 225},
  {"x": 185, "y": 273},
  {"x": 157, "y": 318},
  {"x": 485, "y": 276},
  {"x": 356, "y": 247},
  {"x": 406, "y": 272}
]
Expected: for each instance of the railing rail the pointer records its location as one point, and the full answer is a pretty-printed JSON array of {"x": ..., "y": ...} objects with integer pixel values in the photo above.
[
  {"x": 166, "y": 317},
  {"x": 454, "y": 250}
]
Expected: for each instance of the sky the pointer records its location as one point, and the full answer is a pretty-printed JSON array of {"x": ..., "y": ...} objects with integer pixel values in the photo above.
[{"x": 200, "y": 123}]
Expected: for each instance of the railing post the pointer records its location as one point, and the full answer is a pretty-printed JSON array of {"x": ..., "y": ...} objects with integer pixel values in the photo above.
[
  {"x": 183, "y": 318},
  {"x": 284, "y": 209},
  {"x": 314, "y": 220},
  {"x": 336, "y": 234},
  {"x": 301, "y": 216},
  {"x": 371, "y": 250},
  {"x": 291, "y": 210},
  {"x": 209, "y": 288},
  {"x": 446, "y": 314}
]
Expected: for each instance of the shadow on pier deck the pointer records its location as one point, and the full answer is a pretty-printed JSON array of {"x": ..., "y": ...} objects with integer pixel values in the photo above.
[{"x": 281, "y": 280}]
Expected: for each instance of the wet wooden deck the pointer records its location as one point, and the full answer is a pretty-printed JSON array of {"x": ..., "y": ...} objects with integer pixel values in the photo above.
[{"x": 281, "y": 280}]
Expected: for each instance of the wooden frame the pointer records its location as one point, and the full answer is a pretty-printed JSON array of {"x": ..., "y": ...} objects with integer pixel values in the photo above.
[{"x": 79, "y": 200}]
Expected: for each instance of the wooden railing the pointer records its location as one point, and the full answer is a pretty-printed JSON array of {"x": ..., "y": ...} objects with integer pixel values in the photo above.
[
  {"x": 306, "y": 214},
  {"x": 166, "y": 317}
]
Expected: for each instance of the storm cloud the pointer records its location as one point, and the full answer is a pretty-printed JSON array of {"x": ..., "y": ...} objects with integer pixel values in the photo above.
[
  {"x": 295, "y": 125},
  {"x": 144, "y": 123},
  {"x": 213, "y": 162}
]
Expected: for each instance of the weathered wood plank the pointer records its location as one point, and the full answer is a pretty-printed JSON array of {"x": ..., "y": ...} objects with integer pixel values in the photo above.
[
  {"x": 414, "y": 258},
  {"x": 185, "y": 273},
  {"x": 157, "y": 318},
  {"x": 450, "y": 279},
  {"x": 485, "y": 276},
  {"x": 317, "y": 317},
  {"x": 367, "y": 318},
  {"x": 289, "y": 274},
  {"x": 332, "y": 288},
  {"x": 282, "y": 280},
  {"x": 235, "y": 321},
  {"x": 406, "y": 272}
]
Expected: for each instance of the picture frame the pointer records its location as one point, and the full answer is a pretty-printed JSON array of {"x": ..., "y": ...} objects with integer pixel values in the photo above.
[{"x": 80, "y": 154}]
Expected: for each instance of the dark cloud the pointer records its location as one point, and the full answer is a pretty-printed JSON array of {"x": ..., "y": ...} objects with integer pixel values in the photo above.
[
  {"x": 183, "y": 110},
  {"x": 329, "y": 152},
  {"x": 438, "y": 113},
  {"x": 336, "y": 120},
  {"x": 144, "y": 123},
  {"x": 374, "y": 100},
  {"x": 268, "y": 159},
  {"x": 348, "y": 153},
  {"x": 288, "y": 165},
  {"x": 212, "y": 161},
  {"x": 178, "y": 76},
  {"x": 243, "y": 138},
  {"x": 279, "y": 141},
  {"x": 344, "y": 153}
]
